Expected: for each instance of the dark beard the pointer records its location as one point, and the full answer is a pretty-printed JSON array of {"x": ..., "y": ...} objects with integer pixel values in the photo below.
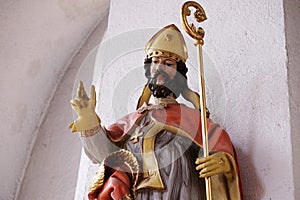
[
  {"x": 169, "y": 87},
  {"x": 159, "y": 91}
]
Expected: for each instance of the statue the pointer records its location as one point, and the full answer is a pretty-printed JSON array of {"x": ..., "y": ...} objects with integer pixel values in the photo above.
[{"x": 160, "y": 153}]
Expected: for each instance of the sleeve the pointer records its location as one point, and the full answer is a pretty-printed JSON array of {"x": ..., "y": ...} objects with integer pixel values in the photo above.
[
  {"x": 96, "y": 144},
  {"x": 227, "y": 184},
  {"x": 231, "y": 185},
  {"x": 116, "y": 177}
]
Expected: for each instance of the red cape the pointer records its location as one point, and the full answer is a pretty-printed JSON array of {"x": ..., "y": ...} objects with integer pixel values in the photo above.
[
  {"x": 179, "y": 116},
  {"x": 187, "y": 120}
]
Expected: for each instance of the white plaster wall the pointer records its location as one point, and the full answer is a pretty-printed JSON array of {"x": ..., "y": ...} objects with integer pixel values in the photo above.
[
  {"x": 246, "y": 41},
  {"x": 292, "y": 18},
  {"x": 37, "y": 40},
  {"x": 53, "y": 167}
]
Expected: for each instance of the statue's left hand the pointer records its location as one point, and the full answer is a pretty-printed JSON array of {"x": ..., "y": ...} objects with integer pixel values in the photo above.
[{"x": 217, "y": 163}]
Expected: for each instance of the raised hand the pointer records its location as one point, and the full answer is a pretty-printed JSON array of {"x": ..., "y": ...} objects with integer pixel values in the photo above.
[
  {"x": 85, "y": 109},
  {"x": 217, "y": 163}
]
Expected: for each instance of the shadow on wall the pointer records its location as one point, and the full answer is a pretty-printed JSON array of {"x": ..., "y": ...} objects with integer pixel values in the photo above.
[
  {"x": 292, "y": 31},
  {"x": 251, "y": 191}
]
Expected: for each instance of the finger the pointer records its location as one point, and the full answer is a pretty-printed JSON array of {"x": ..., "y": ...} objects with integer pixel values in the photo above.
[
  {"x": 92, "y": 100},
  {"x": 83, "y": 93},
  {"x": 76, "y": 106},
  {"x": 211, "y": 173},
  {"x": 82, "y": 102},
  {"x": 75, "y": 103},
  {"x": 206, "y": 164},
  {"x": 209, "y": 169},
  {"x": 79, "y": 89},
  {"x": 203, "y": 160}
]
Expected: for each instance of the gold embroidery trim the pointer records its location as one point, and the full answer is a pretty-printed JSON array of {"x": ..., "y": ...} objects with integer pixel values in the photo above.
[
  {"x": 114, "y": 160},
  {"x": 91, "y": 132},
  {"x": 151, "y": 174}
]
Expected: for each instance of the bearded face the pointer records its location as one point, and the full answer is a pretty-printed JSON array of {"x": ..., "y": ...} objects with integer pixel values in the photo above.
[{"x": 164, "y": 79}]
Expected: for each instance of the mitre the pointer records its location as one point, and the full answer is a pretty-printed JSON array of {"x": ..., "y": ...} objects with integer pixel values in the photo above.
[{"x": 168, "y": 42}]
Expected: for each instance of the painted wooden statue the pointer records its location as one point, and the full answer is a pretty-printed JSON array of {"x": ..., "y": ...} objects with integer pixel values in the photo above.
[{"x": 159, "y": 152}]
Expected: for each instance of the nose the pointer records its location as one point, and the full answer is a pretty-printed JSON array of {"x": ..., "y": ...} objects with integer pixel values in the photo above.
[{"x": 159, "y": 67}]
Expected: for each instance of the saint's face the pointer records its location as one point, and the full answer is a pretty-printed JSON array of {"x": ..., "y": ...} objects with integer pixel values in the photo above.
[{"x": 165, "y": 65}]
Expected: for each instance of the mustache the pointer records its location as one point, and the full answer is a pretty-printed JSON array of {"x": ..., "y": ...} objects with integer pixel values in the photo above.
[{"x": 164, "y": 74}]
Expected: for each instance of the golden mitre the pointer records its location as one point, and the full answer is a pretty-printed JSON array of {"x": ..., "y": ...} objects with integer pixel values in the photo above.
[{"x": 168, "y": 42}]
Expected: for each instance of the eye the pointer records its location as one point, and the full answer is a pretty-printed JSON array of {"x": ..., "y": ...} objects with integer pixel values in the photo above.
[
  {"x": 155, "y": 61},
  {"x": 169, "y": 64}
]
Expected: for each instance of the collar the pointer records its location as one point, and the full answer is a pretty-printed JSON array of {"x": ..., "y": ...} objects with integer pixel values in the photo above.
[{"x": 159, "y": 103}]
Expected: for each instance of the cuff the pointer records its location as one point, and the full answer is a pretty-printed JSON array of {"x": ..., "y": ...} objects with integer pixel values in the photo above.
[{"x": 91, "y": 132}]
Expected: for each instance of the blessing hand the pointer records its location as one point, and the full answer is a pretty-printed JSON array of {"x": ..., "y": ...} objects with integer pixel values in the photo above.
[{"x": 85, "y": 109}]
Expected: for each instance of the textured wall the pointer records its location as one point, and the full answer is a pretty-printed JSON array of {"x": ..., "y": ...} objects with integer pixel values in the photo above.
[
  {"x": 38, "y": 39},
  {"x": 52, "y": 171},
  {"x": 292, "y": 28},
  {"x": 246, "y": 41}
]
